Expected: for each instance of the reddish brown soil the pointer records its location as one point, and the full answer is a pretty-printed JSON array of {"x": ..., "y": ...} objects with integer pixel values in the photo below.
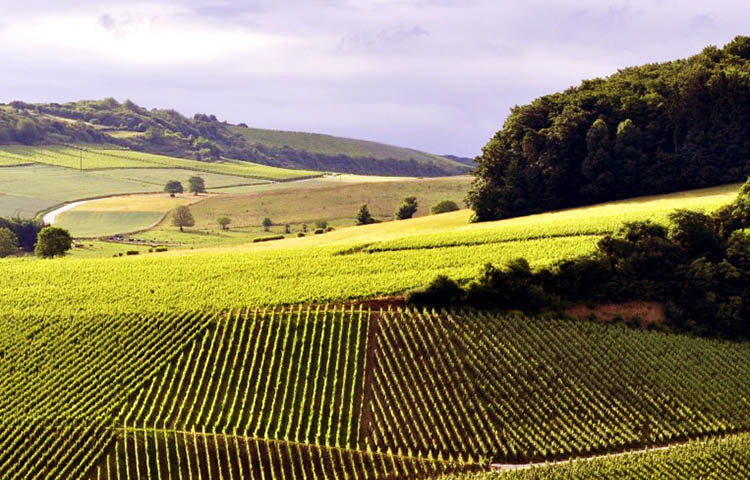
[{"x": 643, "y": 313}]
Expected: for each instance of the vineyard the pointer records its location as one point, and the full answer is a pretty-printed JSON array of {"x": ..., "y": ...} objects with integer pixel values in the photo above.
[
  {"x": 726, "y": 458},
  {"x": 346, "y": 393}
]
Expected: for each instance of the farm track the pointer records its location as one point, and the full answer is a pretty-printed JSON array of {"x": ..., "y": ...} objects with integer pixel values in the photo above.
[{"x": 505, "y": 467}]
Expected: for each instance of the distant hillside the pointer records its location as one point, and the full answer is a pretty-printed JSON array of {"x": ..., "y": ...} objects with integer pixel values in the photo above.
[
  {"x": 644, "y": 130},
  {"x": 204, "y": 137}
]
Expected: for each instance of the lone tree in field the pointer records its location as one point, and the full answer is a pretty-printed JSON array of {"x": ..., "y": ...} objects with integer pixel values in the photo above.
[
  {"x": 52, "y": 242},
  {"x": 224, "y": 222},
  {"x": 363, "y": 216},
  {"x": 182, "y": 217},
  {"x": 267, "y": 224},
  {"x": 407, "y": 209},
  {"x": 172, "y": 187},
  {"x": 197, "y": 185},
  {"x": 8, "y": 242}
]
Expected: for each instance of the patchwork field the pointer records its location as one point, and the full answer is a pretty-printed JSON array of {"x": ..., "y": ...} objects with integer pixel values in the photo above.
[
  {"x": 109, "y": 216},
  {"x": 342, "y": 264},
  {"x": 92, "y": 157},
  {"x": 34, "y": 179}
]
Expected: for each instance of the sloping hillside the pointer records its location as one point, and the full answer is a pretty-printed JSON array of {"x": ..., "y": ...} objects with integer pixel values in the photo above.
[
  {"x": 644, "y": 130},
  {"x": 204, "y": 137}
]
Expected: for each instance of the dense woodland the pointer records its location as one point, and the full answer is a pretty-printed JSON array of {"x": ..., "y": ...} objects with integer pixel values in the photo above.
[
  {"x": 644, "y": 130},
  {"x": 202, "y": 137}
]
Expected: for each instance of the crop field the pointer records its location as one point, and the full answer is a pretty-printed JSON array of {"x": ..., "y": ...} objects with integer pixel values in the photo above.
[
  {"x": 464, "y": 382},
  {"x": 725, "y": 458},
  {"x": 317, "y": 268},
  {"x": 345, "y": 392},
  {"x": 97, "y": 158}
]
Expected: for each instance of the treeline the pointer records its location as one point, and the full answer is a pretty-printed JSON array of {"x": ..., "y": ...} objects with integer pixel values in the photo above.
[
  {"x": 202, "y": 137},
  {"x": 698, "y": 266},
  {"x": 644, "y": 130}
]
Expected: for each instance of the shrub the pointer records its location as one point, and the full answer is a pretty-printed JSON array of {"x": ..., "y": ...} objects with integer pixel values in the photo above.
[
  {"x": 318, "y": 231},
  {"x": 300, "y": 234},
  {"x": 132, "y": 252},
  {"x": 442, "y": 291},
  {"x": 8, "y": 243},
  {"x": 268, "y": 239},
  {"x": 444, "y": 206},
  {"x": 52, "y": 242},
  {"x": 161, "y": 249},
  {"x": 407, "y": 209}
]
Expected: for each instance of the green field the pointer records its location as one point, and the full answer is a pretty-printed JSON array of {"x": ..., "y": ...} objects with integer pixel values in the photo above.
[
  {"x": 725, "y": 458},
  {"x": 92, "y": 157},
  {"x": 259, "y": 393},
  {"x": 317, "y": 268},
  {"x": 330, "y": 145},
  {"x": 336, "y": 203},
  {"x": 219, "y": 363}
]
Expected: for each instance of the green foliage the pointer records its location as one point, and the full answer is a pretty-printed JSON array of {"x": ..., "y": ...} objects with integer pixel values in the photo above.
[
  {"x": 697, "y": 266},
  {"x": 197, "y": 185},
  {"x": 8, "y": 242},
  {"x": 676, "y": 125},
  {"x": 224, "y": 222},
  {"x": 24, "y": 229},
  {"x": 444, "y": 206},
  {"x": 718, "y": 459},
  {"x": 182, "y": 217},
  {"x": 407, "y": 209},
  {"x": 52, "y": 242},
  {"x": 363, "y": 216},
  {"x": 442, "y": 291},
  {"x": 459, "y": 381},
  {"x": 267, "y": 224},
  {"x": 269, "y": 238},
  {"x": 173, "y": 186},
  {"x": 321, "y": 224}
]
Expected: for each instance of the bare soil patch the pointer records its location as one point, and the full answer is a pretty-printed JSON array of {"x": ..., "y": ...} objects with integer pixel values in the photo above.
[{"x": 643, "y": 313}]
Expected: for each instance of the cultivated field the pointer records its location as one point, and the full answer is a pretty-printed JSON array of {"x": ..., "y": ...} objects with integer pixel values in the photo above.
[
  {"x": 96, "y": 157},
  {"x": 339, "y": 265},
  {"x": 347, "y": 392}
]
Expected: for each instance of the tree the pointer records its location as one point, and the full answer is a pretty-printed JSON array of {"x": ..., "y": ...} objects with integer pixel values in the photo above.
[
  {"x": 26, "y": 132},
  {"x": 52, "y": 242},
  {"x": 363, "y": 216},
  {"x": 407, "y": 209},
  {"x": 8, "y": 243},
  {"x": 224, "y": 222},
  {"x": 172, "y": 187},
  {"x": 287, "y": 228},
  {"x": 597, "y": 167},
  {"x": 321, "y": 224},
  {"x": 182, "y": 217},
  {"x": 197, "y": 185},
  {"x": 25, "y": 230},
  {"x": 267, "y": 224},
  {"x": 444, "y": 206}
]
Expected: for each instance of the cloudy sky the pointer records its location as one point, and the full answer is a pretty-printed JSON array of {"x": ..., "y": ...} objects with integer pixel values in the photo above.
[{"x": 438, "y": 75}]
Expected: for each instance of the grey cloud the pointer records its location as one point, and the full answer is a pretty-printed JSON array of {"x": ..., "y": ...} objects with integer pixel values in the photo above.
[{"x": 439, "y": 75}]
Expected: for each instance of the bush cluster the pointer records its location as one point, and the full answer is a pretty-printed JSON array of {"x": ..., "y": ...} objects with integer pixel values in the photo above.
[{"x": 698, "y": 266}]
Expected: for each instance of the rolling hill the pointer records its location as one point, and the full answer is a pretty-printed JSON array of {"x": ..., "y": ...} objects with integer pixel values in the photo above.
[{"x": 204, "y": 137}]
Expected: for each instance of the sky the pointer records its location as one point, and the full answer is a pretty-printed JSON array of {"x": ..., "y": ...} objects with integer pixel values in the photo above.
[{"x": 436, "y": 75}]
